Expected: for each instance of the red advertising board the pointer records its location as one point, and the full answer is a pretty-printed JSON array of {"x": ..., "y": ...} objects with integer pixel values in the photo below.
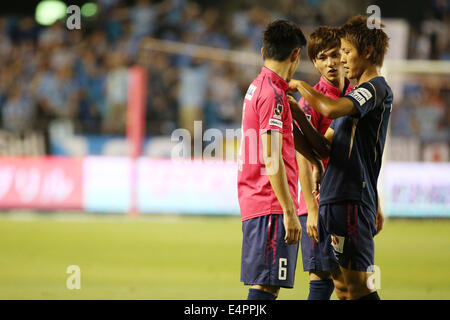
[{"x": 41, "y": 183}]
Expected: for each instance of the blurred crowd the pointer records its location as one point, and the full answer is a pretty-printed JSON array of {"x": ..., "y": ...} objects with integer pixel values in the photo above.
[
  {"x": 430, "y": 39},
  {"x": 424, "y": 110},
  {"x": 81, "y": 75}
]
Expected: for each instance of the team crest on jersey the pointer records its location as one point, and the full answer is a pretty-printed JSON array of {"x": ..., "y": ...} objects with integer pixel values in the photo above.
[
  {"x": 278, "y": 111},
  {"x": 250, "y": 92}
]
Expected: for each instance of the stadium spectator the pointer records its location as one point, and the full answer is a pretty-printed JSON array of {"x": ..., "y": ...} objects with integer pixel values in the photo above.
[
  {"x": 162, "y": 100},
  {"x": 92, "y": 78},
  {"x": 114, "y": 117},
  {"x": 192, "y": 93},
  {"x": 58, "y": 93},
  {"x": 51, "y": 36},
  {"x": 17, "y": 112},
  {"x": 172, "y": 11},
  {"x": 224, "y": 97},
  {"x": 143, "y": 16},
  {"x": 432, "y": 112},
  {"x": 403, "y": 120},
  {"x": 25, "y": 31}
]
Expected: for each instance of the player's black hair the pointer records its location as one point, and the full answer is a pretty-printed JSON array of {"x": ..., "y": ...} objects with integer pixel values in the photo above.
[{"x": 281, "y": 37}]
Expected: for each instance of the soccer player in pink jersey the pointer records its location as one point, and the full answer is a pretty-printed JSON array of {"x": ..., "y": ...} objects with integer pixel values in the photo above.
[
  {"x": 268, "y": 170},
  {"x": 324, "y": 51}
]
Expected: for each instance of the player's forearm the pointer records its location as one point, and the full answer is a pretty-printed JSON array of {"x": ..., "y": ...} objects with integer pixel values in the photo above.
[
  {"x": 306, "y": 182},
  {"x": 304, "y": 147},
  {"x": 317, "y": 141},
  {"x": 275, "y": 170},
  {"x": 279, "y": 183},
  {"x": 324, "y": 105}
]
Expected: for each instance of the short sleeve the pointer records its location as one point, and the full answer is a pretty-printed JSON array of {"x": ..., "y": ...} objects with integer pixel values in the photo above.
[
  {"x": 272, "y": 113},
  {"x": 310, "y": 113},
  {"x": 365, "y": 97}
]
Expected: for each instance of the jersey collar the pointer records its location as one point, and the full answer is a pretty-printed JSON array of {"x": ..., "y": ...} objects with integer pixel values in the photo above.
[
  {"x": 332, "y": 89},
  {"x": 276, "y": 79}
]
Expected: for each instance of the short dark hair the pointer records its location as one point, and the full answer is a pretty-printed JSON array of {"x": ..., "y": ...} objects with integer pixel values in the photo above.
[
  {"x": 323, "y": 38},
  {"x": 281, "y": 37},
  {"x": 356, "y": 32}
]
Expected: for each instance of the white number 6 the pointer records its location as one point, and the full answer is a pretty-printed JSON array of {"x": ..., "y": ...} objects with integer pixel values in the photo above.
[{"x": 282, "y": 269}]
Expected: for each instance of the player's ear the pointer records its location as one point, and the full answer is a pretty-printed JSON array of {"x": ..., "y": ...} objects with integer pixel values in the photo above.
[
  {"x": 295, "y": 54},
  {"x": 368, "y": 52}
]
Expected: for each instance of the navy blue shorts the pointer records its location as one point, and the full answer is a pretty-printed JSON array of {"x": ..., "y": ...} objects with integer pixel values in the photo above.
[
  {"x": 348, "y": 228},
  {"x": 266, "y": 258},
  {"x": 311, "y": 256}
]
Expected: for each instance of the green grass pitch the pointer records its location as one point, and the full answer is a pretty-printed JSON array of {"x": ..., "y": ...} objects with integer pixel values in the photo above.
[{"x": 168, "y": 257}]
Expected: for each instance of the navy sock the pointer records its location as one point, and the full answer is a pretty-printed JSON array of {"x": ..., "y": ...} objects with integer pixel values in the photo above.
[
  {"x": 370, "y": 296},
  {"x": 320, "y": 289},
  {"x": 256, "y": 294}
]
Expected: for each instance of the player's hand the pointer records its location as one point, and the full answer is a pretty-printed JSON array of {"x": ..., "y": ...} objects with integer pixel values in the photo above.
[
  {"x": 379, "y": 220},
  {"x": 292, "y": 101},
  {"x": 293, "y": 85},
  {"x": 292, "y": 227},
  {"x": 311, "y": 224},
  {"x": 318, "y": 171}
]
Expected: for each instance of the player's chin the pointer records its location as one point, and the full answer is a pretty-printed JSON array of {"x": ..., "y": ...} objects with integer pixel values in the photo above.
[
  {"x": 333, "y": 76},
  {"x": 350, "y": 74}
]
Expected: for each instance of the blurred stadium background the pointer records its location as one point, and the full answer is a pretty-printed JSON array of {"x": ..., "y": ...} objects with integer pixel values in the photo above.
[{"x": 87, "y": 133}]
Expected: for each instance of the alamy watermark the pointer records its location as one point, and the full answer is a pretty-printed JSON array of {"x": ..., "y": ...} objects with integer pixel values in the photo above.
[
  {"x": 374, "y": 280},
  {"x": 374, "y": 20},
  {"x": 209, "y": 145},
  {"x": 73, "y": 281},
  {"x": 74, "y": 19}
]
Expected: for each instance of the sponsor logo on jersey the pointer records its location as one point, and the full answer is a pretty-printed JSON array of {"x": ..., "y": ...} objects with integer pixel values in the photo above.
[
  {"x": 274, "y": 122},
  {"x": 250, "y": 92},
  {"x": 362, "y": 95}
]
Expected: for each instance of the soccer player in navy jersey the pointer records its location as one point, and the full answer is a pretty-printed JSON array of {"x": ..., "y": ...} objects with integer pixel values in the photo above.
[{"x": 349, "y": 208}]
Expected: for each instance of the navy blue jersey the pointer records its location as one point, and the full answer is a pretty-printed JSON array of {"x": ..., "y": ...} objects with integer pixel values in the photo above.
[{"x": 357, "y": 147}]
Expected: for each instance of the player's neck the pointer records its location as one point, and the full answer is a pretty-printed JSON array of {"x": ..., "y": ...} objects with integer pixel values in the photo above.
[
  {"x": 369, "y": 73},
  {"x": 280, "y": 68},
  {"x": 338, "y": 83}
]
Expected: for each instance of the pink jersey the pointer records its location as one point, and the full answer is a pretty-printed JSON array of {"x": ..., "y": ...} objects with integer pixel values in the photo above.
[
  {"x": 265, "y": 108},
  {"x": 320, "y": 122}
]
